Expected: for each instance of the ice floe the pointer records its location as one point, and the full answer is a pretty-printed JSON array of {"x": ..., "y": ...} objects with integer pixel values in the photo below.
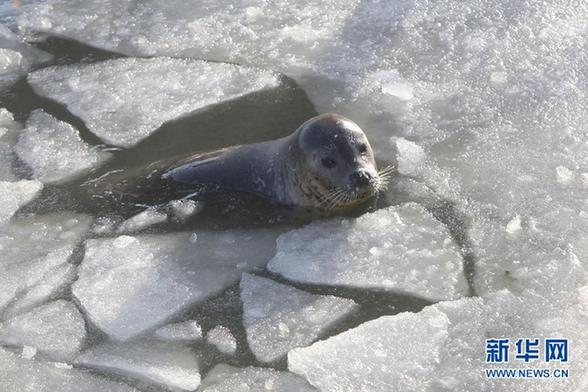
[
  {"x": 34, "y": 258},
  {"x": 222, "y": 338},
  {"x": 56, "y": 330},
  {"x": 20, "y": 374},
  {"x": 172, "y": 366},
  {"x": 9, "y": 130},
  {"x": 278, "y": 318},
  {"x": 54, "y": 149},
  {"x": 128, "y": 285},
  {"x": 226, "y": 378},
  {"x": 398, "y": 248},
  {"x": 123, "y": 101}
]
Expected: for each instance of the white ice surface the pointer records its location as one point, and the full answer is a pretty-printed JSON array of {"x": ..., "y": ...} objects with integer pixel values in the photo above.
[
  {"x": 226, "y": 378},
  {"x": 185, "y": 331},
  {"x": 442, "y": 348},
  {"x": 34, "y": 255},
  {"x": 278, "y": 318},
  {"x": 54, "y": 149},
  {"x": 166, "y": 364},
  {"x": 56, "y": 329},
  {"x": 128, "y": 285},
  {"x": 18, "y": 374},
  {"x": 400, "y": 248},
  {"x": 123, "y": 101},
  {"x": 14, "y": 195},
  {"x": 222, "y": 338}
]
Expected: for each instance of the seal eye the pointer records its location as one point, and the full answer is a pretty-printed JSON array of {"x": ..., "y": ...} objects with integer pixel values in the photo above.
[
  {"x": 362, "y": 148},
  {"x": 329, "y": 163}
]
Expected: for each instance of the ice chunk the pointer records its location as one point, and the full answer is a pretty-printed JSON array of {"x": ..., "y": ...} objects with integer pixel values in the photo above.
[
  {"x": 185, "y": 208},
  {"x": 128, "y": 285},
  {"x": 410, "y": 157},
  {"x": 34, "y": 255},
  {"x": 222, "y": 338},
  {"x": 226, "y": 378},
  {"x": 123, "y": 101},
  {"x": 16, "y": 57},
  {"x": 56, "y": 329},
  {"x": 8, "y": 137},
  {"x": 142, "y": 220},
  {"x": 28, "y": 352},
  {"x": 278, "y": 318},
  {"x": 54, "y": 149},
  {"x": 18, "y": 374},
  {"x": 398, "y": 248},
  {"x": 169, "y": 365},
  {"x": 187, "y": 331},
  {"x": 14, "y": 195},
  {"x": 441, "y": 348}
]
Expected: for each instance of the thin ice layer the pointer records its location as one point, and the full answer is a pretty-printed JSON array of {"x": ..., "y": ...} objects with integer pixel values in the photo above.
[
  {"x": 442, "y": 348},
  {"x": 34, "y": 258},
  {"x": 128, "y": 285},
  {"x": 278, "y": 318},
  {"x": 125, "y": 100},
  {"x": 226, "y": 378},
  {"x": 400, "y": 248},
  {"x": 56, "y": 329},
  {"x": 171, "y": 366},
  {"x": 18, "y": 374},
  {"x": 54, "y": 149}
]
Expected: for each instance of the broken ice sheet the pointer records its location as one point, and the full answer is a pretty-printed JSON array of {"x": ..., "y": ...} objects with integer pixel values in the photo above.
[
  {"x": 34, "y": 253},
  {"x": 124, "y": 100},
  {"x": 54, "y": 149},
  {"x": 442, "y": 347},
  {"x": 170, "y": 365},
  {"x": 226, "y": 378},
  {"x": 278, "y": 318},
  {"x": 56, "y": 329},
  {"x": 128, "y": 285},
  {"x": 18, "y": 374},
  {"x": 400, "y": 248}
]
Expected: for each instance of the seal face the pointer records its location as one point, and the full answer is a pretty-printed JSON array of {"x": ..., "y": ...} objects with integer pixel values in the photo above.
[{"x": 327, "y": 163}]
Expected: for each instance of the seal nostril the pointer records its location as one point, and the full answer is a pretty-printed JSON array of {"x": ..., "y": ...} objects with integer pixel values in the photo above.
[{"x": 360, "y": 179}]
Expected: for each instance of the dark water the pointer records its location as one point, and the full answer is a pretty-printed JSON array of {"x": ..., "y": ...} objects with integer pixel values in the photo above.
[{"x": 256, "y": 117}]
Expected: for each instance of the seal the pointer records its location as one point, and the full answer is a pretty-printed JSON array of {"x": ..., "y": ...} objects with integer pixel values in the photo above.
[{"x": 327, "y": 163}]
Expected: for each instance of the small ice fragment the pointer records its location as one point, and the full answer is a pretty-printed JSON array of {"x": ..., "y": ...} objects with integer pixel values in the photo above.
[
  {"x": 28, "y": 352},
  {"x": 142, "y": 220},
  {"x": 498, "y": 78},
  {"x": 564, "y": 175},
  {"x": 514, "y": 226},
  {"x": 183, "y": 209},
  {"x": 222, "y": 338},
  {"x": 410, "y": 156}
]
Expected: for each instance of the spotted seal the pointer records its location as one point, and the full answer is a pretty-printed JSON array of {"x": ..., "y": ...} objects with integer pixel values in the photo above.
[{"x": 327, "y": 163}]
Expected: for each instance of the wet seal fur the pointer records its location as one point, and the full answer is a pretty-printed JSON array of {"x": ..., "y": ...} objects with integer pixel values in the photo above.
[{"x": 327, "y": 163}]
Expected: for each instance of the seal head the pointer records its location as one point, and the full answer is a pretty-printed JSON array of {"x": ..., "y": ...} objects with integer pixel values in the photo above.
[{"x": 334, "y": 163}]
